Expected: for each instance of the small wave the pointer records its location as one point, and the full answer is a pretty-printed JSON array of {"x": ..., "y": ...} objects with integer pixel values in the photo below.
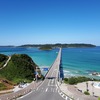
[
  {"x": 90, "y": 74},
  {"x": 76, "y": 71},
  {"x": 68, "y": 75},
  {"x": 65, "y": 71}
]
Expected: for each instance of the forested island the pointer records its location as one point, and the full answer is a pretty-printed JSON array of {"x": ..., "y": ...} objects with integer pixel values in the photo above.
[
  {"x": 50, "y": 46},
  {"x": 57, "y": 45},
  {"x": 46, "y": 47}
]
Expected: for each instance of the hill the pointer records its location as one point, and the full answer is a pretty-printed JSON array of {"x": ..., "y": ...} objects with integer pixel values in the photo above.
[{"x": 20, "y": 68}]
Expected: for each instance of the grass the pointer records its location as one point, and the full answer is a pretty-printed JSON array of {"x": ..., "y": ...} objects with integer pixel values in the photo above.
[
  {"x": 2, "y": 87},
  {"x": 18, "y": 80}
]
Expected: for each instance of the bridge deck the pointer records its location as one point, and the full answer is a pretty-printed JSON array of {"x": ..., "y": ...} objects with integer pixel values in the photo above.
[{"x": 55, "y": 66}]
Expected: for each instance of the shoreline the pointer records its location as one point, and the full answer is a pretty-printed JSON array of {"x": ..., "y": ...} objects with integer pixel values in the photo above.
[{"x": 76, "y": 73}]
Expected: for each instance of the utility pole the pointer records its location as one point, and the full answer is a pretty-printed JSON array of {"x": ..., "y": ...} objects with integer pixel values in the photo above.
[
  {"x": 87, "y": 86},
  {"x": 92, "y": 87},
  {"x": 36, "y": 77}
]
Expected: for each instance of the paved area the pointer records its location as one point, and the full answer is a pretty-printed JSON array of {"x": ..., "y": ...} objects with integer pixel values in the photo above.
[
  {"x": 91, "y": 88},
  {"x": 73, "y": 92}
]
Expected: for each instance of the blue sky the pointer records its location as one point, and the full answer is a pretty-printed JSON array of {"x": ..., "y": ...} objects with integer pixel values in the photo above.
[{"x": 49, "y": 21}]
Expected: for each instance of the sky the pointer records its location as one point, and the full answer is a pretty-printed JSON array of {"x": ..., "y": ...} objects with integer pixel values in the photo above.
[{"x": 49, "y": 21}]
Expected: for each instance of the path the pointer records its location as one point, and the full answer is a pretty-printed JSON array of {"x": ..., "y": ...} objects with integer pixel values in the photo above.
[{"x": 6, "y": 63}]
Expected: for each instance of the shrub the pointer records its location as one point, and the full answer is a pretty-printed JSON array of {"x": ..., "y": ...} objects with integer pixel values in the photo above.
[
  {"x": 86, "y": 93},
  {"x": 65, "y": 79},
  {"x": 72, "y": 80},
  {"x": 75, "y": 80}
]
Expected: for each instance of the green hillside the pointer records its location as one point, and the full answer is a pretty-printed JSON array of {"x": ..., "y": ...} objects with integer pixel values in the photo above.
[{"x": 20, "y": 68}]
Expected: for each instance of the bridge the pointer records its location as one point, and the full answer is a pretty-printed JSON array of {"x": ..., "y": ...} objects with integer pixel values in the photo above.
[{"x": 47, "y": 90}]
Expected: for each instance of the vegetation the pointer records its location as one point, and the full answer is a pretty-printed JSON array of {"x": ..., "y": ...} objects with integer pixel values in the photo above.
[
  {"x": 2, "y": 87},
  {"x": 20, "y": 68},
  {"x": 3, "y": 59},
  {"x": 59, "y": 45},
  {"x": 98, "y": 98},
  {"x": 46, "y": 47},
  {"x": 5, "y": 84},
  {"x": 75, "y": 80},
  {"x": 86, "y": 93}
]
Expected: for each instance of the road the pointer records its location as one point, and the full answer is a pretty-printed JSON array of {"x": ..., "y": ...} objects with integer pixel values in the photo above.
[
  {"x": 6, "y": 63},
  {"x": 48, "y": 89}
]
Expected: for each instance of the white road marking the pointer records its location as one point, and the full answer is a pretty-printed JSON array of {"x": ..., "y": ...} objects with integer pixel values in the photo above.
[
  {"x": 46, "y": 90},
  {"x": 24, "y": 95},
  {"x": 53, "y": 80}
]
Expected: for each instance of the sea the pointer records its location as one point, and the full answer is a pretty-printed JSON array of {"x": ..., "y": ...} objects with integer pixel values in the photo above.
[{"x": 75, "y": 61}]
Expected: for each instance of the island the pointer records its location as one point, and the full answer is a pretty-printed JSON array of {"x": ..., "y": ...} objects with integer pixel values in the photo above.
[
  {"x": 46, "y": 47},
  {"x": 51, "y": 46}
]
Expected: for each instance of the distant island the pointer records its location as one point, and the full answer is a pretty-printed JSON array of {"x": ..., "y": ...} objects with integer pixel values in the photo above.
[
  {"x": 57, "y": 45},
  {"x": 50, "y": 46},
  {"x": 46, "y": 47}
]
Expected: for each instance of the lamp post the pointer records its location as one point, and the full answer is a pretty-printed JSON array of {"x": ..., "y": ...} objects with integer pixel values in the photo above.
[
  {"x": 92, "y": 87},
  {"x": 36, "y": 76},
  {"x": 87, "y": 86}
]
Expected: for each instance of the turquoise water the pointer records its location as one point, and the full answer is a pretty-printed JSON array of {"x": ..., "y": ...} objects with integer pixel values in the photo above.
[
  {"x": 75, "y": 61},
  {"x": 81, "y": 61}
]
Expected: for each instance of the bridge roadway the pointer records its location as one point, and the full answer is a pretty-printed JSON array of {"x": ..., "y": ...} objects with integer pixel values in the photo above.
[{"x": 48, "y": 89}]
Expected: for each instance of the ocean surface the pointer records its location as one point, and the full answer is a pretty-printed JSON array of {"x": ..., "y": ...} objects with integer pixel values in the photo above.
[{"x": 75, "y": 61}]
